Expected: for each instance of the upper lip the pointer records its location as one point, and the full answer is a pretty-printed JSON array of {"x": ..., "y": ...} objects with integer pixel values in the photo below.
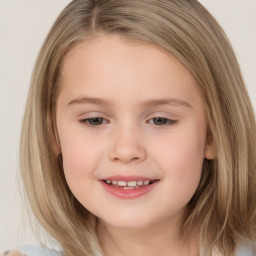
[{"x": 127, "y": 178}]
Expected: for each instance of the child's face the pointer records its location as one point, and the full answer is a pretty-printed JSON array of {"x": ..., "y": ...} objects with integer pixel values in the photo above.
[{"x": 130, "y": 113}]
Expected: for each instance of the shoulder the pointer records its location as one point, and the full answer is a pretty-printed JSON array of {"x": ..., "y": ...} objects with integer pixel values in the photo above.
[
  {"x": 30, "y": 250},
  {"x": 12, "y": 253},
  {"x": 245, "y": 251}
]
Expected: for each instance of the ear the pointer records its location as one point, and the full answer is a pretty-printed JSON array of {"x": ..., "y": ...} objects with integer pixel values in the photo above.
[
  {"x": 210, "y": 149},
  {"x": 56, "y": 148},
  {"x": 55, "y": 143}
]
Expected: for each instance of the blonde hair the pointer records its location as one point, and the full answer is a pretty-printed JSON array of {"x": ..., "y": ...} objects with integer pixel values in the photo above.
[{"x": 223, "y": 207}]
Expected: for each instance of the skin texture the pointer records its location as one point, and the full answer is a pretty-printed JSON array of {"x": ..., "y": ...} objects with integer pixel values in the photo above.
[{"x": 127, "y": 84}]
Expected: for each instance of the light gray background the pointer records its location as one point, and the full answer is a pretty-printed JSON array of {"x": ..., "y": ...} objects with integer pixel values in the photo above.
[{"x": 23, "y": 27}]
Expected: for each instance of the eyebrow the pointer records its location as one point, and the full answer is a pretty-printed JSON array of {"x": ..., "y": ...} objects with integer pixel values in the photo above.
[
  {"x": 148, "y": 103},
  {"x": 167, "y": 101},
  {"x": 89, "y": 100}
]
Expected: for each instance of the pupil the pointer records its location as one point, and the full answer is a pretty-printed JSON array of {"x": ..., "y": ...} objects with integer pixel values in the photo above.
[
  {"x": 95, "y": 121},
  {"x": 159, "y": 121}
]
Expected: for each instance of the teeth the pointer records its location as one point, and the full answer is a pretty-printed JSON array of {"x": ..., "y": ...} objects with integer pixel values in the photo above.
[
  {"x": 129, "y": 184},
  {"x": 121, "y": 183},
  {"x": 146, "y": 182},
  {"x": 140, "y": 183},
  {"x": 129, "y": 187}
]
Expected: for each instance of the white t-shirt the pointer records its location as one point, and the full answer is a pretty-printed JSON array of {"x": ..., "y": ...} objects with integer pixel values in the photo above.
[{"x": 39, "y": 251}]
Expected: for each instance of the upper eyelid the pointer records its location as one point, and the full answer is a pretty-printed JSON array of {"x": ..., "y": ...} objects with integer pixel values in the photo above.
[
  {"x": 83, "y": 120},
  {"x": 144, "y": 114},
  {"x": 94, "y": 114},
  {"x": 165, "y": 115}
]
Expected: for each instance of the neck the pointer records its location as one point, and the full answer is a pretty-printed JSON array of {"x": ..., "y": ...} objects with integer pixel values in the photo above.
[{"x": 158, "y": 240}]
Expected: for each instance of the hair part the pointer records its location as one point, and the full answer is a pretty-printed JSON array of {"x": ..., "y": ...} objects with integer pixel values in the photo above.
[{"x": 222, "y": 210}]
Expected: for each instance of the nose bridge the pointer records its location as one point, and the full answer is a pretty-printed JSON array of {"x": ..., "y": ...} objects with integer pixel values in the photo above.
[{"x": 127, "y": 144}]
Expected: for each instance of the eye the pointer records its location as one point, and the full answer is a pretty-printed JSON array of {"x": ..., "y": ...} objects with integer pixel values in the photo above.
[
  {"x": 95, "y": 121},
  {"x": 162, "y": 121}
]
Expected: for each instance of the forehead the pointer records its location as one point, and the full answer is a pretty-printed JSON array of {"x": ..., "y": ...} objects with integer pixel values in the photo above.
[
  {"x": 108, "y": 64},
  {"x": 115, "y": 49}
]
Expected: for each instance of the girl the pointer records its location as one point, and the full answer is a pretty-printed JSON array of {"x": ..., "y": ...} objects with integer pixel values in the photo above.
[{"x": 139, "y": 136}]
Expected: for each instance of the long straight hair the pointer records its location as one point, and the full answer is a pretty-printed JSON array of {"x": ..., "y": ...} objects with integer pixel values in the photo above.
[{"x": 223, "y": 208}]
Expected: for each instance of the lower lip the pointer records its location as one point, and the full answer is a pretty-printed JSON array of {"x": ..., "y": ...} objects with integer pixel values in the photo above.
[{"x": 128, "y": 193}]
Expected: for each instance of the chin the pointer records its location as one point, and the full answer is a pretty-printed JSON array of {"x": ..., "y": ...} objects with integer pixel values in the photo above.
[{"x": 128, "y": 222}]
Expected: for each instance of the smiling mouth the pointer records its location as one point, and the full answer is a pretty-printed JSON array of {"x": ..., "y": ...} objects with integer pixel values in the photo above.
[{"x": 129, "y": 184}]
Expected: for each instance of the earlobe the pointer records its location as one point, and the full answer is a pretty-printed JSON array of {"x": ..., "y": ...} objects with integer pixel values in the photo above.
[
  {"x": 210, "y": 152},
  {"x": 56, "y": 143},
  {"x": 210, "y": 149},
  {"x": 56, "y": 149}
]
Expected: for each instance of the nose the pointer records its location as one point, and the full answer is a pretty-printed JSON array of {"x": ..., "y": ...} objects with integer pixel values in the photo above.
[{"x": 127, "y": 147}]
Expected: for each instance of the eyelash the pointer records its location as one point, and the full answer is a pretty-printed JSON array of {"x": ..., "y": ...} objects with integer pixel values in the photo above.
[
  {"x": 166, "y": 121},
  {"x": 88, "y": 120}
]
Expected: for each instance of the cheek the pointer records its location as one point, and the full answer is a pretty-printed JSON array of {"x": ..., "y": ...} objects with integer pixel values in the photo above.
[
  {"x": 80, "y": 153},
  {"x": 180, "y": 156},
  {"x": 80, "y": 156},
  {"x": 185, "y": 146}
]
